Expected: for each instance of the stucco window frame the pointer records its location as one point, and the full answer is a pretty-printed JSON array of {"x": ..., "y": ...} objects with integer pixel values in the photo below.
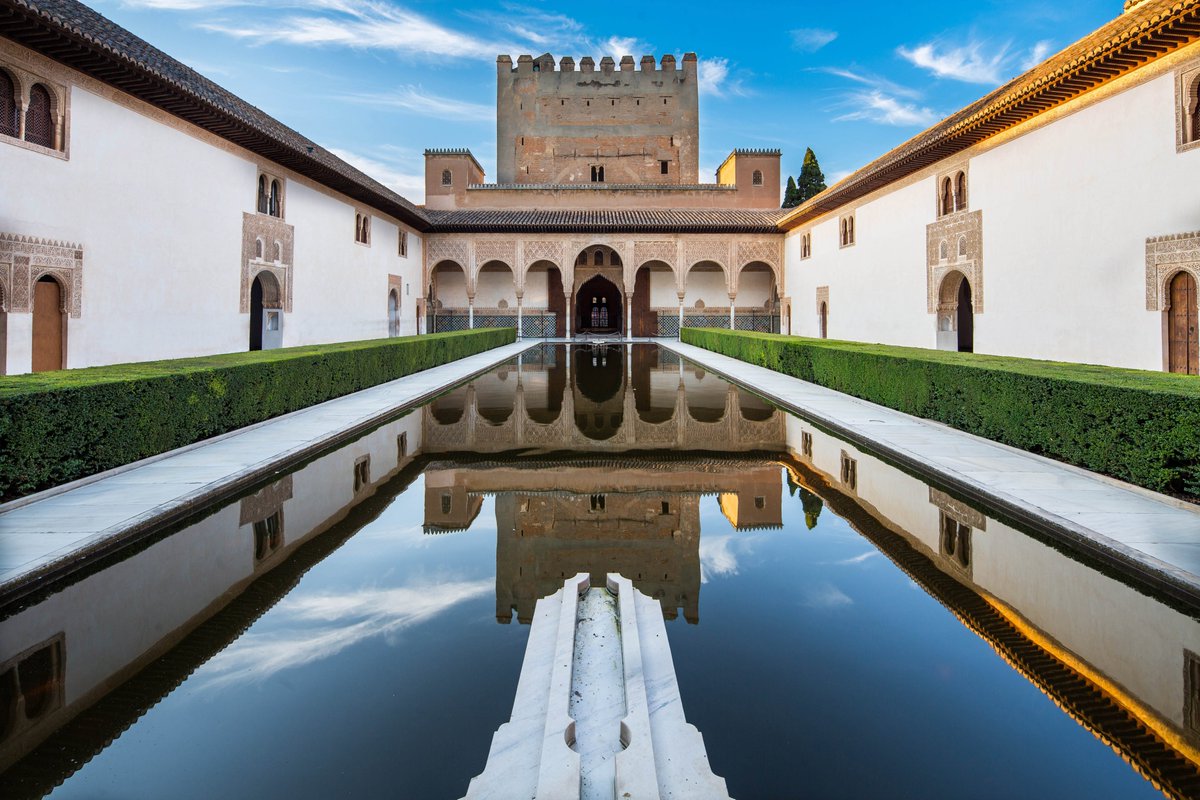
[
  {"x": 1186, "y": 77},
  {"x": 25, "y": 77},
  {"x": 850, "y": 237}
]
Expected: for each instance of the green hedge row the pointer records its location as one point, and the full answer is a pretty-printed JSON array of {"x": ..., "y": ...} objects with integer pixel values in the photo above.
[
  {"x": 1141, "y": 427},
  {"x": 59, "y": 426}
]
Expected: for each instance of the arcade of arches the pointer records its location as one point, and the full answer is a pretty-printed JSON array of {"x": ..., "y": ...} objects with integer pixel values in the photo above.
[{"x": 635, "y": 286}]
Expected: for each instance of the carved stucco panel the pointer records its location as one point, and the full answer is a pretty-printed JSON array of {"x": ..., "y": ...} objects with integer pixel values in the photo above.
[
  {"x": 278, "y": 250},
  {"x": 822, "y": 297},
  {"x": 654, "y": 251},
  {"x": 539, "y": 250},
  {"x": 1165, "y": 256},
  {"x": 965, "y": 257},
  {"x": 504, "y": 250},
  {"x": 25, "y": 259}
]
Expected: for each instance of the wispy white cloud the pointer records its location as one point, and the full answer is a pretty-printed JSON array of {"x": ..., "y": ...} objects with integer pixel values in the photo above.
[
  {"x": 874, "y": 105},
  {"x": 714, "y": 78},
  {"x": 975, "y": 61},
  {"x": 416, "y": 99},
  {"x": 969, "y": 62},
  {"x": 859, "y": 559},
  {"x": 825, "y": 595},
  {"x": 403, "y": 175},
  {"x": 358, "y": 24},
  {"x": 874, "y": 81},
  {"x": 717, "y": 557},
  {"x": 1037, "y": 54},
  {"x": 315, "y": 627},
  {"x": 810, "y": 40},
  {"x": 617, "y": 46}
]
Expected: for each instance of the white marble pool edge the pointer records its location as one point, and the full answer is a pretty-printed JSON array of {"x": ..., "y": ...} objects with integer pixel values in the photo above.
[
  {"x": 60, "y": 529},
  {"x": 1130, "y": 528}
]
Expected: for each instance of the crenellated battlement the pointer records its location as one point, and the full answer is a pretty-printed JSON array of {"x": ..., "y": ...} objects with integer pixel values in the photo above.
[{"x": 545, "y": 63}]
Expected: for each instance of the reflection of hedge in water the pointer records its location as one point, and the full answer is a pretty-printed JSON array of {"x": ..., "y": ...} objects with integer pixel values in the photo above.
[
  {"x": 1141, "y": 427},
  {"x": 59, "y": 426}
]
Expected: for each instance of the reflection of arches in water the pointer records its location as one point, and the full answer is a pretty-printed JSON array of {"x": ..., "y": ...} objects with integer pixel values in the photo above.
[
  {"x": 495, "y": 396},
  {"x": 653, "y": 407},
  {"x": 448, "y": 409},
  {"x": 598, "y": 306},
  {"x": 599, "y": 426},
  {"x": 753, "y": 407},
  {"x": 705, "y": 396},
  {"x": 546, "y": 407},
  {"x": 599, "y": 372}
]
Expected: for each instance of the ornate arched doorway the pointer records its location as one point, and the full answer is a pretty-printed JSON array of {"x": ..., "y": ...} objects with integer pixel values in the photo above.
[
  {"x": 266, "y": 312},
  {"x": 598, "y": 307},
  {"x": 956, "y": 314}
]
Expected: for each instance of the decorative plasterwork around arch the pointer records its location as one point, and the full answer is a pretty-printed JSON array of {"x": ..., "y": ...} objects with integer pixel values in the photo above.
[
  {"x": 25, "y": 259},
  {"x": 269, "y": 230},
  {"x": 770, "y": 252},
  {"x": 950, "y": 228},
  {"x": 1166, "y": 255}
]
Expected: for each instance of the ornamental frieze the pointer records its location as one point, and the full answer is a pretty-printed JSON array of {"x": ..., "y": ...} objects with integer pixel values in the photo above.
[
  {"x": 26, "y": 259},
  {"x": 496, "y": 250},
  {"x": 954, "y": 243},
  {"x": 438, "y": 249},
  {"x": 666, "y": 252},
  {"x": 1166, "y": 255}
]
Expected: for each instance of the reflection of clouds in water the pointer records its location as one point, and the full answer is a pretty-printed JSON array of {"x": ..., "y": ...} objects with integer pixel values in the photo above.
[
  {"x": 717, "y": 557},
  {"x": 867, "y": 556},
  {"x": 315, "y": 627},
  {"x": 719, "y": 554},
  {"x": 825, "y": 595}
]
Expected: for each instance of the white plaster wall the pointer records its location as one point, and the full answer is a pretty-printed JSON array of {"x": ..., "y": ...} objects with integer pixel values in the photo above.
[
  {"x": 492, "y": 286},
  {"x": 709, "y": 286},
  {"x": 537, "y": 289},
  {"x": 1067, "y": 208},
  {"x": 754, "y": 288},
  {"x": 663, "y": 290},
  {"x": 158, "y": 212},
  {"x": 450, "y": 287}
]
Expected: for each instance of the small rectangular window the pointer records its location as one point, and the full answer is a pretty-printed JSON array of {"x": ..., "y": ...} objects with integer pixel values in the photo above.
[
  {"x": 402, "y": 446},
  {"x": 666, "y": 507},
  {"x": 849, "y": 472},
  {"x": 362, "y": 473},
  {"x": 404, "y": 244},
  {"x": 664, "y": 167},
  {"x": 806, "y": 444},
  {"x": 268, "y": 536},
  {"x": 445, "y": 503}
]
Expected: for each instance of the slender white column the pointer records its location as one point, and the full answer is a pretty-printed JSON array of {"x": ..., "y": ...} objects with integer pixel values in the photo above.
[
  {"x": 518, "y": 316},
  {"x": 471, "y": 313}
]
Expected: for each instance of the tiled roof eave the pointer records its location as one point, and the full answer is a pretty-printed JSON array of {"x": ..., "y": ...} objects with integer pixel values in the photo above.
[
  {"x": 1150, "y": 36},
  {"x": 601, "y": 228},
  {"x": 26, "y": 24}
]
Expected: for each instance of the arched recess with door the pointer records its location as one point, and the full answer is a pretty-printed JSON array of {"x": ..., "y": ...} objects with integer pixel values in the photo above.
[
  {"x": 1183, "y": 344},
  {"x": 266, "y": 312},
  {"x": 955, "y": 314},
  {"x": 654, "y": 289},
  {"x": 393, "y": 313},
  {"x": 49, "y": 325}
]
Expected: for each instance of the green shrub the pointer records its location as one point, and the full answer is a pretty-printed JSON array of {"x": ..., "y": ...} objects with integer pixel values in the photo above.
[
  {"x": 1141, "y": 427},
  {"x": 59, "y": 426}
]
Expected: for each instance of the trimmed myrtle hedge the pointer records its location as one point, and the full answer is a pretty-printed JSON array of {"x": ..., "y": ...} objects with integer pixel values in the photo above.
[
  {"x": 1141, "y": 427},
  {"x": 59, "y": 426}
]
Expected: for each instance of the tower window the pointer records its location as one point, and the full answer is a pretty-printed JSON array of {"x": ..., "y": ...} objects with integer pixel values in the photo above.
[
  {"x": 664, "y": 167},
  {"x": 757, "y": 178},
  {"x": 597, "y": 174},
  {"x": 447, "y": 178}
]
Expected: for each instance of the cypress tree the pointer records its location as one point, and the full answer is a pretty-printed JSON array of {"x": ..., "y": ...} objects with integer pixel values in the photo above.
[
  {"x": 791, "y": 195},
  {"x": 812, "y": 181}
]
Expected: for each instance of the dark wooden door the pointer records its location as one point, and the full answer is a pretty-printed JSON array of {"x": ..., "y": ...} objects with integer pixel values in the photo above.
[
  {"x": 645, "y": 323},
  {"x": 1184, "y": 347},
  {"x": 47, "y": 326}
]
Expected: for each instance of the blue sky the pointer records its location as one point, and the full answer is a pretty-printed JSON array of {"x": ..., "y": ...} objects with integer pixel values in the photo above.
[{"x": 378, "y": 81}]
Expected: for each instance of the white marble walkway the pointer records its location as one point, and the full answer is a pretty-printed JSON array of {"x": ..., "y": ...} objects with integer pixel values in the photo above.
[
  {"x": 1122, "y": 524},
  {"x": 58, "y": 527}
]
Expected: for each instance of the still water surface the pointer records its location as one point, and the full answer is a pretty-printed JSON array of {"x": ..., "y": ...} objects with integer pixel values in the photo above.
[{"x": 840, "y": 629}]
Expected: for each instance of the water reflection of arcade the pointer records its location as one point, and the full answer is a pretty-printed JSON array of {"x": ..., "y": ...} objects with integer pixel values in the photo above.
[
  {"x": 638, "y": 518},
  {"x": 618, "y": 402}
]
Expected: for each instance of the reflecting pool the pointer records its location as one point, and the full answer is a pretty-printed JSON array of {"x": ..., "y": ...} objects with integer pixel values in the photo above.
[{"x": 840, "y": 627}]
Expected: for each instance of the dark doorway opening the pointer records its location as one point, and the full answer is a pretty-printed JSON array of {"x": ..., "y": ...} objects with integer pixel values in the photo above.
[
  {"x": 256, "y": 314},
  {"x": 598, "y": 307},
  {"x": 966, "y": 319}
]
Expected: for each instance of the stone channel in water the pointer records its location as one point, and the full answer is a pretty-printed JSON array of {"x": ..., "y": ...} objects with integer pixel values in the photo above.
[{"x": 839, "y": 627}]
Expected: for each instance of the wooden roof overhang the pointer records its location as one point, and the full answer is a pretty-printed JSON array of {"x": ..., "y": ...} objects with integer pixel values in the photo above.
[
  {"x": 83, "y": 40},
  {"x": 1137, "y": 37}
]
